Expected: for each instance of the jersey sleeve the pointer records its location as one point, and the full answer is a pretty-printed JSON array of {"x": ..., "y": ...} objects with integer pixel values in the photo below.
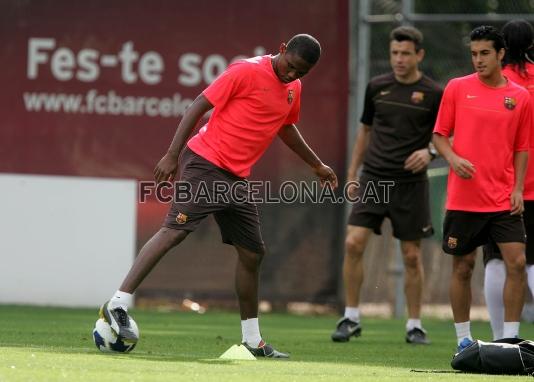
[
  {"x": 447, "y": 110},
  {"x": 231, "y": 83},
  {"x": 294, "y": 113},
  {"x": 524, "y": 130},
  {"x": 368, "y": 107}
]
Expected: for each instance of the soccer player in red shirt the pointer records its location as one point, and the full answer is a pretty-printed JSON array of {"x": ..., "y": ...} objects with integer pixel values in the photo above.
[
  {"x": 254, "y": 101},
  {"x": 519, "y": 68},
  {"x": 490, "y": 119}
]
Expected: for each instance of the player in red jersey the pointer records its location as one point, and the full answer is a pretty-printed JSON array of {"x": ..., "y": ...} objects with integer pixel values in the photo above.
[
  {"x": 490, "y": 119},
  {"x": 519, "y": 68},
  {"x": 254, "y": 101}
]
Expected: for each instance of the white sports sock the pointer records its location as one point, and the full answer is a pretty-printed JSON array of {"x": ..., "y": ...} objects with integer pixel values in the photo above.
[
  {"x": 121, "y": 299},
  {"x": 413, "y": 323},
  {"x": 494, "y": 278},
  {"x": 530, "y": 278},
  {"x": 352, "y": 313},
  {"x": 463, "y": 330},
  {"x": 250, "y": 329},
  {"x": 511, "y": 330}
]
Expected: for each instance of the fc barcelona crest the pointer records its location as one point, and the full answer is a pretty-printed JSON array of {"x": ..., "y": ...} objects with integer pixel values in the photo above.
[
  {"x": 509, "y": 103},
  {"x": 181, "y": 218},
  {"x": 452, "y": 242},
  {"x": 290, "y": 96},
  {"x": 418, "y": 97}
]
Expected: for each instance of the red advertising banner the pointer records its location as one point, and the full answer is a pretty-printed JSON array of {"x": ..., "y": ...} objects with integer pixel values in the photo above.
[{"x": 97, "y": 89}]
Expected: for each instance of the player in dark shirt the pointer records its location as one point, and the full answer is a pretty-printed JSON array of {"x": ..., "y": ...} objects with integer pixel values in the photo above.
[{"x": 393, "y": 143}]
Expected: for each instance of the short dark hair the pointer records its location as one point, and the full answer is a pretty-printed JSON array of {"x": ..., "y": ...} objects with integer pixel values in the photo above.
[
  {"x": 519, "y": 36},
  {"x": 306, "y": 47},
  {"x": 406, "y": 33},
  {"x": 488, "y": 33}
]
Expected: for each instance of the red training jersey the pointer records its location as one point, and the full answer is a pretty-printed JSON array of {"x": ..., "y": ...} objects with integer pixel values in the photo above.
[
  {"x": 489, "y": 125},
  {"x": 526, "y": 80},
  {"x": 251, "y": 105}
]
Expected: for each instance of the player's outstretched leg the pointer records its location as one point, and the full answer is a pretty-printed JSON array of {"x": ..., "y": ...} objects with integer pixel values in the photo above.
[
  {"x": 246, "y": 283},
  {"x": 115, "y": 311}
]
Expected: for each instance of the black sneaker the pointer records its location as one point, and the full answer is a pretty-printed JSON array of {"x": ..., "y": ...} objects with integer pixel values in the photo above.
[
  {"x": 265, "y": 350},
  {"x": 417, "y": 336},
  {"x": 119, "y": 321},
  {"x": 345, "y": 328}
]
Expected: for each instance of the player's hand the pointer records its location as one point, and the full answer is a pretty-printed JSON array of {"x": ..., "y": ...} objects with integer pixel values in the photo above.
[
  {"x": 352, "y": 187},
  {"x": 462, "y": 167},
  {"x": 417, "y": 161},
  {"x": 326, "y": 174},
  {"x": 516, "y": 200},
  {"x": 165, "y": 170}
]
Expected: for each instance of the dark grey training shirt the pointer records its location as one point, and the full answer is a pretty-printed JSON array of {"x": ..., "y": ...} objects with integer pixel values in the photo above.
[{"x": 402, "y": 118}]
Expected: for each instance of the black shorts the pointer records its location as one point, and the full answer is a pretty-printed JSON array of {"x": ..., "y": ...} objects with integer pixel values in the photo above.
[
  {"x": 464, "y": 231},
  {"x": 234, "y": 211},
  {"x": 491, "y": 250},
  {"x": 407, "y": 207}
]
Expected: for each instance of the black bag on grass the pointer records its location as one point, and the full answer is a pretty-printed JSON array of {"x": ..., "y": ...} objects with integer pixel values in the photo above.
[{"x": 506, "y": 356}]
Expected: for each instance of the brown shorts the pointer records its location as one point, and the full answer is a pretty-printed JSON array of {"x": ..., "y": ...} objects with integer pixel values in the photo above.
[
  {"x": 464, "y": 231},
  {"x": 407, "y": 206},
  {"x": 206, "y": 189},
  {"x": 491, "y": 250}
]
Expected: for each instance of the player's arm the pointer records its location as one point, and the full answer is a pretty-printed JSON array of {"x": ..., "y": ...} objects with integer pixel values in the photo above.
[
  {"x": 520, "y": 169},
  {"x": 420, "y": 159},
  {"x": 290, "y": 135},
  {"x": 166, "y": 168},
  {"x": 523, "y": 142},
  {"x": 462, "y": 167},
  {"x": 358, "y": 151}
]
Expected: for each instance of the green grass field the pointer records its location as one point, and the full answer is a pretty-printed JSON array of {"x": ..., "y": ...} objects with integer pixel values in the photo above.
[{"x": 52, "y": 344}]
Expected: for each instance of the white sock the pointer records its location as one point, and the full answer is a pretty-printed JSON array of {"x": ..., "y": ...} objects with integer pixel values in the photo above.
[
  {"x": 463, "y": 330},
  {"x": 413, "y": 323},
  {"x": 352, "y": 313},
  {"x": 494, "y": 278},
  {"x": 250, "y": 329},
  {"x": 511, "y": 330},
  {"x": 122, "y": 300},
  {"x": 530, "y": 278}
]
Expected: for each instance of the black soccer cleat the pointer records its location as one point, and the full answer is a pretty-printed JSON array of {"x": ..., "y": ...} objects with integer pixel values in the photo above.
[
  {"x": 417, "y": 336},
  {"x": 265, "y": 350},
  {"x": 346, "y": 328},
  {"x": 119, "y": 321}
]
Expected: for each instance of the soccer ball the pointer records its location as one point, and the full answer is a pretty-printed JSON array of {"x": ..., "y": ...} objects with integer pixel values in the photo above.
[{"x": 107, "y": 341}]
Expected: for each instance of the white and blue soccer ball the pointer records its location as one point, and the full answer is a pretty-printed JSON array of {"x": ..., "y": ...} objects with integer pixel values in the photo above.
[{"x": 106, "y": 340}]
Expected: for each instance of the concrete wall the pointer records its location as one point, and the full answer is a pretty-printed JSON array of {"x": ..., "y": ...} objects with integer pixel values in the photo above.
[{"x": 65, "y": 241}]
